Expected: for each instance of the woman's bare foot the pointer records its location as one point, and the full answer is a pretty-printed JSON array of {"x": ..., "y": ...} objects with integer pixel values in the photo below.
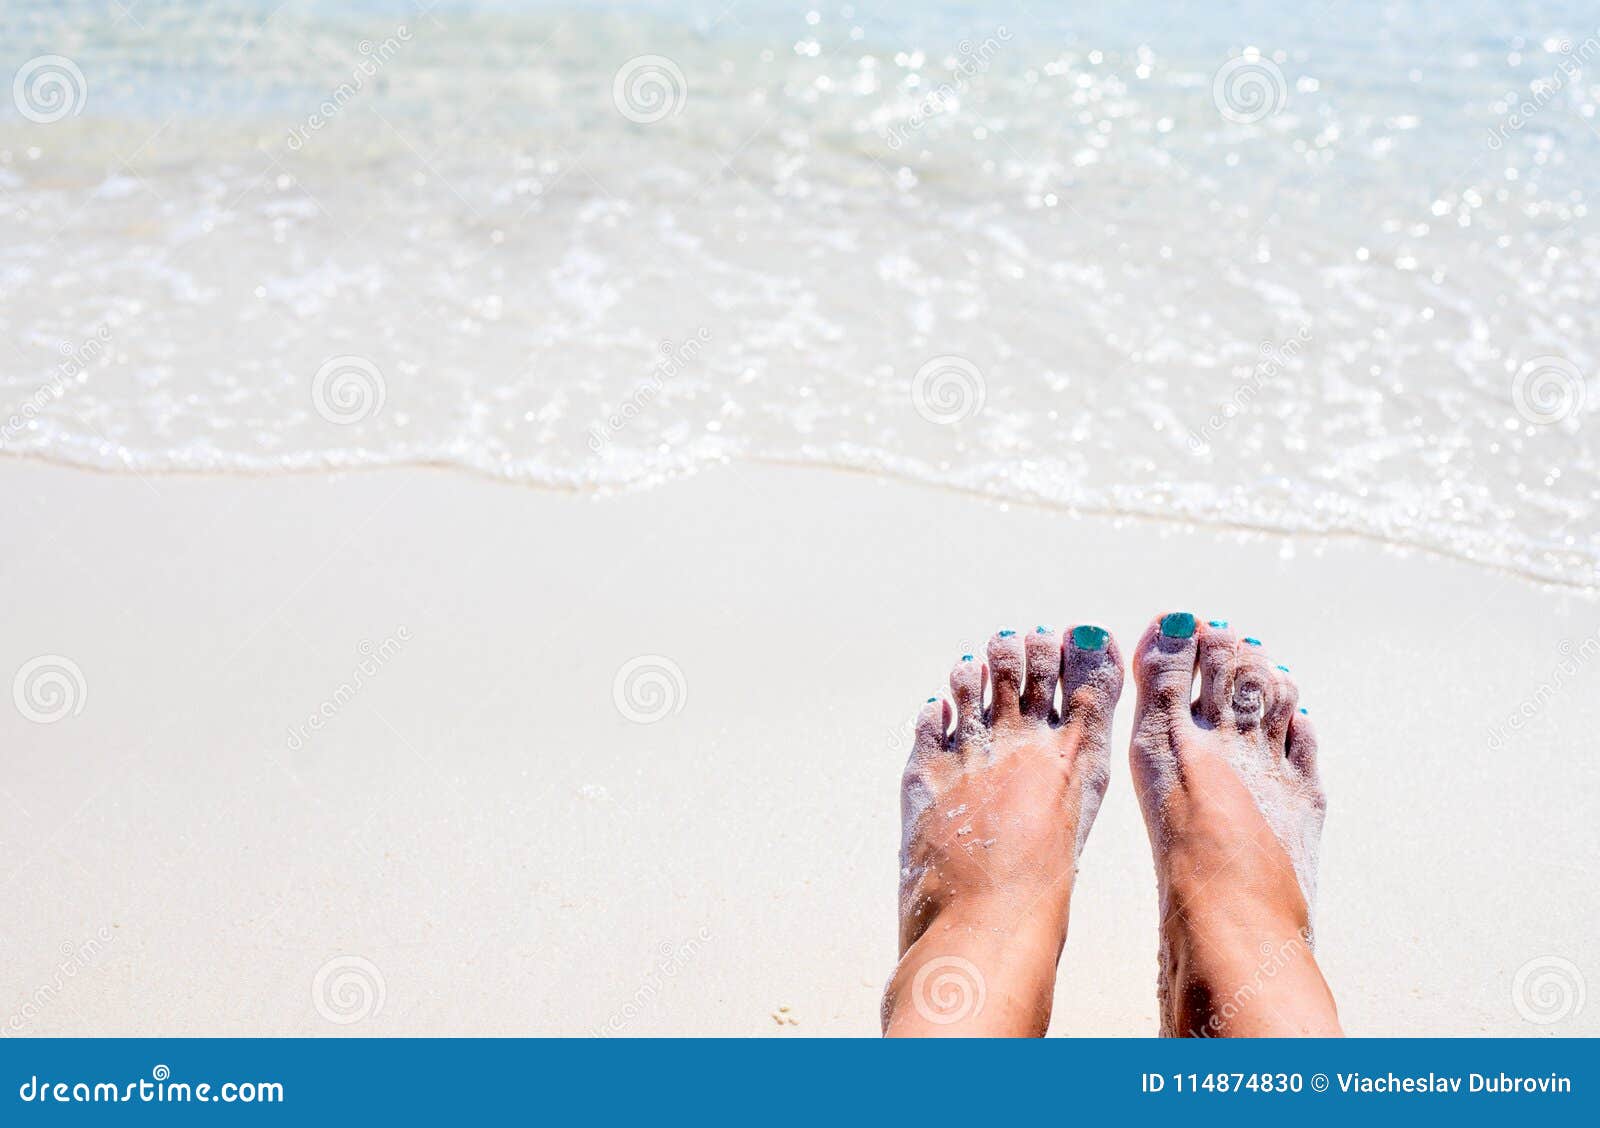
[
  {"x": 994, "y": 816},
  {"x": 1234, "y": 808}
]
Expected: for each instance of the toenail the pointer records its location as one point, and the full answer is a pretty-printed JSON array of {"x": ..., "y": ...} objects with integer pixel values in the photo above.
[
  {"x": 1253, "y": 641},
  {"x": 1304, "y": 712},
  {"x": 1041, "y": 630},
  {"x": 1007, "y": 633},
  {"x": 1179, "y": 624},
  {"x": 966, "y": 657},
  {"x": 1089, "y": 638},
  {"x": 1220, "y": 624},
  {"x": 1285, "y": 669},
  {"x": 931, "y": 700}
]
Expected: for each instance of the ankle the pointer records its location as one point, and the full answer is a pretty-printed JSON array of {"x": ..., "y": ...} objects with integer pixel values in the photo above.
[
  {"x": 1231, "y": 978},
  {"x": 968, "y": 976}
]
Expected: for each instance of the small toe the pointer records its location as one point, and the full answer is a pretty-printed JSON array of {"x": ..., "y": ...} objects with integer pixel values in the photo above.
[
  {"x": 1301, "y": 744},
  {"x": 1282, "y": 702},
  {"x": 1091, "y": 675},
  {"x": 1164, "y": 664},
  {"x": 1043, "y": 649},
  {"x": 933, "y": 723},
  {"x": 1007, "y": 663},
  {"x": 1218, "y": 657},
  {"x": 966, "y": 686}
]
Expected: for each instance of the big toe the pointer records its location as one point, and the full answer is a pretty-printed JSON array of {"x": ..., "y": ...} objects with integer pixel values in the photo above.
[
  {"x": 1091, "y": 678},
  {"x": 1164, "y": 666}
]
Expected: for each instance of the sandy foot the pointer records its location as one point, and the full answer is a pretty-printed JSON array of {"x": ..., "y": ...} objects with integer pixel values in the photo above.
[
  {"x": 1234, "y": 807},
  {"x": 994, "y": 817}
]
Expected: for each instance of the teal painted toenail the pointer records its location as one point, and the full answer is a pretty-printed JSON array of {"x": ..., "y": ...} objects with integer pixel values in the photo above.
[
  {"x": 1285, "y": 669},
  {"x": 1179, "y": 624},
  {"x": 1089, "y": 638},
  {"x": 931, "y": 700},
  {"x": 1253, "y": 641},
  {"x": 1305, "y": 712},
  {"x": 1007, "y": 634},
  {"x": 1041, "y": 630},
  {"x": 966, "y": 657},
  {"x": 1220, "y": 624}
]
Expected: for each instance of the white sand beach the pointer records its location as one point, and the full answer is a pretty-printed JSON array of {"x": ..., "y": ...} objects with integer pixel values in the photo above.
[{"x": 479, "y": 841}]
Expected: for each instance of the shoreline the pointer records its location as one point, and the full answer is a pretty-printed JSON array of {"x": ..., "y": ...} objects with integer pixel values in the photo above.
[{"x": 1181, "y": 522}]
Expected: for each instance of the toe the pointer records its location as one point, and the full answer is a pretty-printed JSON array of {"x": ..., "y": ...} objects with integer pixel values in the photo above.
[
  {"x": 1091, "y": 676},
  {"x": 1281, "y": 705},
  {"x": 1301, "y": 743},
  {"x": 1163, "y": 665},
  {"x": 1006, "y": 665},
  {"x": 1218, "y": 657},
  {"x": 933, "y": 722},
  {"x": 1043, "y": 649},
  {"x": 966, "y": 686}
]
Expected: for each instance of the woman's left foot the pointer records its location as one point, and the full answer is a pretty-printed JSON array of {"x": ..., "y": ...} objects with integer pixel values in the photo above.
[{"x": 994, "y": 816}]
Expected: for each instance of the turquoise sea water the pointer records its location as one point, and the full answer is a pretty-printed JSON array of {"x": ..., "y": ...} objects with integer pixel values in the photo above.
[{"x": 1330, "y": 268}]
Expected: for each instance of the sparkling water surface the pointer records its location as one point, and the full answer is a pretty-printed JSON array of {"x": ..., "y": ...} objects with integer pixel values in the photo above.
[{"x": 1326, "y": 269}]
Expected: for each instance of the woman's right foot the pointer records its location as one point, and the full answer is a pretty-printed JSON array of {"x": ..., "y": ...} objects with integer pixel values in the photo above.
[{"x": 1228, "y": 782}]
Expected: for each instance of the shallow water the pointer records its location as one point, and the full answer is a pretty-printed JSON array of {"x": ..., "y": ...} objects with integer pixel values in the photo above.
[{"x": 1331, "y": 269}]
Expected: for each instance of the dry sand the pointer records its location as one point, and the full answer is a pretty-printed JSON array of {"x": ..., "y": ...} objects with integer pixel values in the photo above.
[{"x": 508, "y": 853}]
